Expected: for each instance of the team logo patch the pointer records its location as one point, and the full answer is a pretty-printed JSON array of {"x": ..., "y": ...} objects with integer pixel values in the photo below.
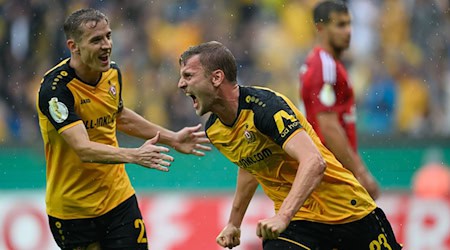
[
  {"x": 58, "y": 110},
  {"x": 113, "y": 91},
  {"x": 249, "y": 136},
  {"x": 327, "y": 95}
]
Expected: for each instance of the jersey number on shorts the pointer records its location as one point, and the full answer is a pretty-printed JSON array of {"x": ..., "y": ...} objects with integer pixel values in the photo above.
[
  {"x": 381, "y": 241},
  {"x": 139, "y": 223}
]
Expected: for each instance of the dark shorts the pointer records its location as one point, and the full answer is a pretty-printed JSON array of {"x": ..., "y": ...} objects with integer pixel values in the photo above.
[
  {"x": 372, "y": 232},
  {"x": 120, "y": 228}
]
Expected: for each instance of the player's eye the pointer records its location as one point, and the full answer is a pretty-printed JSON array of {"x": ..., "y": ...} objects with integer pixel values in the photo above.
[
  {"x": 95, "y": 40},
  {"x": 343, "y": 24}
]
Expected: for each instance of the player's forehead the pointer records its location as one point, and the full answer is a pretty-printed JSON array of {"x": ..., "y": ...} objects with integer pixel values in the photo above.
[
  {"x": 94, "y": 28},
  {"x": 192, "y": 64},
  {"x": 339, "y": 16}
]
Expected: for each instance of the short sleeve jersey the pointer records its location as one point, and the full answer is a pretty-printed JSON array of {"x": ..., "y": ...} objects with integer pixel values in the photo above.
[
  {"x": 77, "y": 189},
  {"x": 266, "y": 121},
  {"x": 325, "y": 87}
]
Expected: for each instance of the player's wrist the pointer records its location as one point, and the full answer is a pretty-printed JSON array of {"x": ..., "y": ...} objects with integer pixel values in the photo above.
[
  {"x": 170, "y": 139},
  {"x": 233, "y": 223},
  {"x": 131, "y": 155},
  {"x": 285, "y": 217}
]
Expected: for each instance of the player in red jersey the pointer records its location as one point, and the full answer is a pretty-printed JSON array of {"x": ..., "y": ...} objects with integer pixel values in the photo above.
[{"x": 328, "y": 94}]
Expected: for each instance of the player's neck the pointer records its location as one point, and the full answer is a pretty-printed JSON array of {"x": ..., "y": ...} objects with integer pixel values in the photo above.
[
  {"x": 332, "y": 51},
  {"x": 84, "y": 72},
  {"x": 227, "y": 104}
]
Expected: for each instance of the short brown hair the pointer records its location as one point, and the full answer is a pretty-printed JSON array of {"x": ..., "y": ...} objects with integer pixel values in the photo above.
[
  {"x": 213, "y": 56},
  {"x": 72, "y": 25},
  {"x": 323, "y": 10}
]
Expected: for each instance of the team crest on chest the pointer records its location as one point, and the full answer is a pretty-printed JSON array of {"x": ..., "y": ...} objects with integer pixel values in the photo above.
[
  {"x": 112, "y": 90},
  {"x": 249, "y": 135}
]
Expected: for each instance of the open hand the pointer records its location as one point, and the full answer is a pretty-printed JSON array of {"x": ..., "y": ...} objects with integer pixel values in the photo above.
[
  {"x": 149, "y": 155},
  {"x": 190, "y": 140}
]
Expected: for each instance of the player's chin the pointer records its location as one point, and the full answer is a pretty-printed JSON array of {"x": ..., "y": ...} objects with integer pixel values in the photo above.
[
  {"x": 200, "y": 111},
  {"x": 345, "y": 45},
  {"x": 104, "y": 68}
]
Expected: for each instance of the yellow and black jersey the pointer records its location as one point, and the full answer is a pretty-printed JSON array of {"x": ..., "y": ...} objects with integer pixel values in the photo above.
[
  {"x": 265, "y": 122},
  {"x": 76, "y": 189}
]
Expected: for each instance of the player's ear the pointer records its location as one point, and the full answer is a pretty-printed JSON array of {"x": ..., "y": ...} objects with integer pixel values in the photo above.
[
  {"x": 218, "y": 76},
  {"x": 73, "y": 46}
]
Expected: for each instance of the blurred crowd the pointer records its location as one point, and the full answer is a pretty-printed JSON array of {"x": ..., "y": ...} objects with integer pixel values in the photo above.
[{"x": 399, "y": 60}]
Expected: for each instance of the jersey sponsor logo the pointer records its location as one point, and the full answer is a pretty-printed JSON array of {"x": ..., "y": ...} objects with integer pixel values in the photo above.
[
  {"x": 280, "y": 117},
  {"x": 58, "y": 110},
  {"x": 84, "y": 101},
  {"x": 260, "y": 156},
  {"x": 100, "y": 121},
  {"x": 327, "y": 96}
]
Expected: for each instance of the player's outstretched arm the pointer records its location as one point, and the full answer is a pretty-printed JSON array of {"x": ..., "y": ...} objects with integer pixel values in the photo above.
[
  {"x": 337, "y": 142},
  {"x": 148, "y": 155},
  {"x": 309, "y": 174},
  {"x": 246, "y": 186},
  {"x": 189, "y": 140}
]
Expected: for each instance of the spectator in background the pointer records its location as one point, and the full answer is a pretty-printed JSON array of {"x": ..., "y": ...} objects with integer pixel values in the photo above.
[
  {"x": 413, "y": 101},
  {"x": 429, "y": 32},
  {"x": 379, "y": 103},
  {"x": 248, "y": 27},
  {"x": 327, "y": 93},
  {"x": 432, "y": 181}
]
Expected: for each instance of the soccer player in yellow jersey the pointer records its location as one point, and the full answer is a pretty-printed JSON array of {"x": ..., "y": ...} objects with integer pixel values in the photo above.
[
  {"x": 319, "y": 204},
  {"x": 90, "y": 201}
]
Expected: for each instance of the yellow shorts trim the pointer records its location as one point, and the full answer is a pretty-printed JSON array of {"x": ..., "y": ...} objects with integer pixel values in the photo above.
[{"x": 294, "y": 242}]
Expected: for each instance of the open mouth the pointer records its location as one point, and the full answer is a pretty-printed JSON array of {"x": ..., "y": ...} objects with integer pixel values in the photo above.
[
  {"x": 104, "y": 59},
  {"x": 194, "y": 99}
]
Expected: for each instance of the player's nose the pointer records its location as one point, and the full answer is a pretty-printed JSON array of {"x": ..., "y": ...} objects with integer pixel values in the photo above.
[
  {"x": 181, "y": 84},
  {"x": 106, "y": 44}
]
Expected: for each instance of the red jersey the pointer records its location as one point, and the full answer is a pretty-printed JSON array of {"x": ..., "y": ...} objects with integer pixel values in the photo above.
[{"x": 324, "y": 87}]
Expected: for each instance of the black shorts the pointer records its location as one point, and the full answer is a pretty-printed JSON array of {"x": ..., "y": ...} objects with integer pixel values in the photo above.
[
  {"x": 120, "y": 228},
  {"x": 373, "y": 232}
]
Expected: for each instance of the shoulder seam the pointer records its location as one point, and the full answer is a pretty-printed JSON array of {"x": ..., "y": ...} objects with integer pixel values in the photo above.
[{"x": 59, "y": 65}]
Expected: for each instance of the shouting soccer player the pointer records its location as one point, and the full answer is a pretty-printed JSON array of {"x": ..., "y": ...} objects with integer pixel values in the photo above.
[
  {"x": 327, "y": 93},
  {"x": 90, "y": 201},
  {"x": 319, "y": 204}
]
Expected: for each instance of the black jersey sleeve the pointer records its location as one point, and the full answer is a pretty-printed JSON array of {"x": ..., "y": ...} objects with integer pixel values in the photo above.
[
  {"x": 276, "y": 119},
  {"x": 56, "y": 101}
]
